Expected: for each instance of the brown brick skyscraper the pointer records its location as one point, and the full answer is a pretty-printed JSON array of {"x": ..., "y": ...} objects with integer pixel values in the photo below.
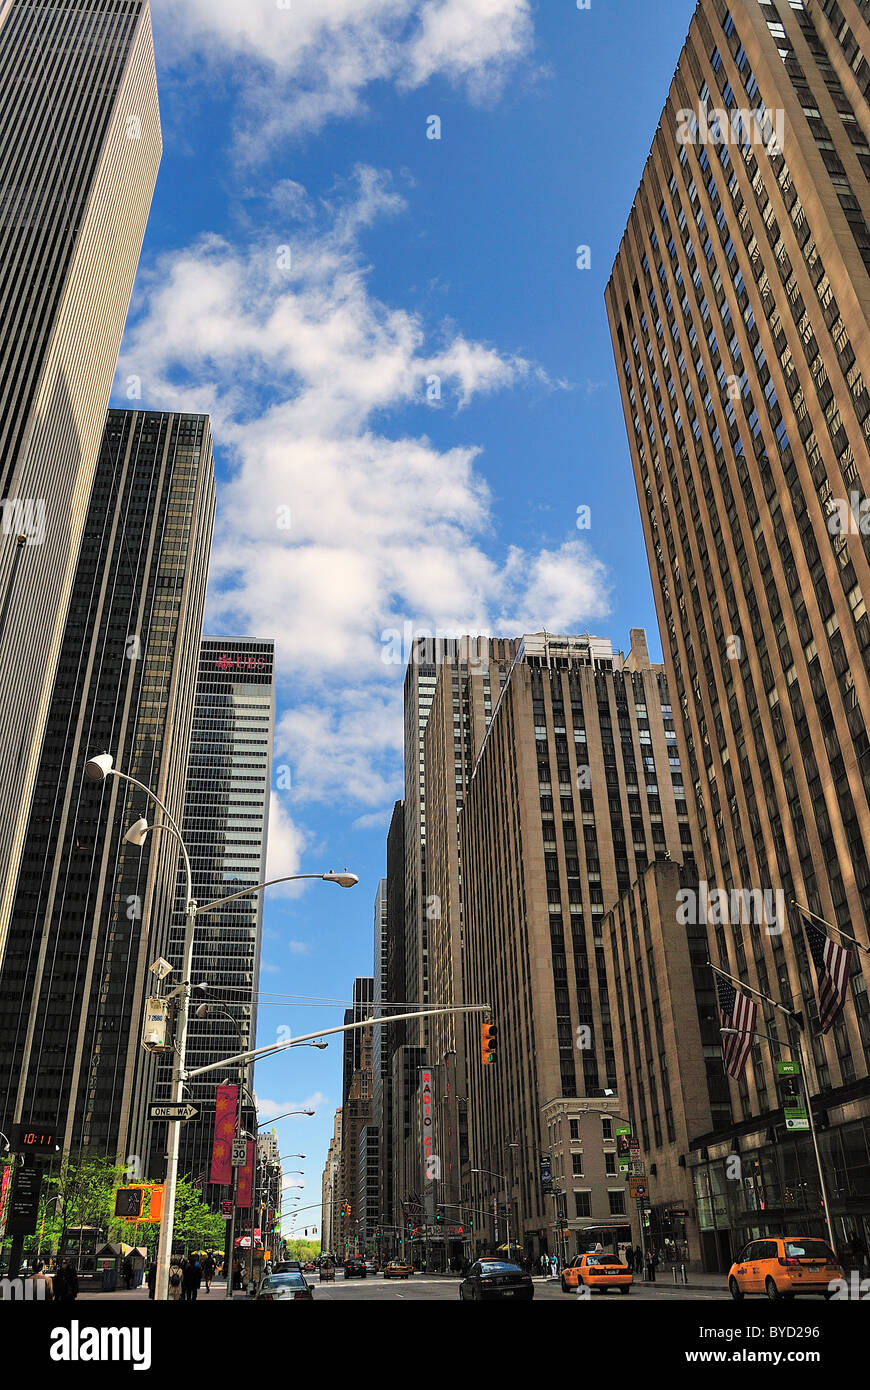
[{"x": 739, "y": 306}]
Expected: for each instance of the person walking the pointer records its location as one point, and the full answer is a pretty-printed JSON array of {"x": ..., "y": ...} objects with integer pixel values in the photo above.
[
  {"x": 43, "y": 1283},
  {"x": 858, "y": 1251},
  {"x": 66, "y": 1283},
  {"x": 651, "y": 1265},
  {"x": 175, "y": 1282},
  {"x": 545, "y": 1265},
  {"x": 191, "y": 1280},
  {"x": 151, "y": 1278},
  {"x": 638, "y": 1259},
  {"x": 208, "y": 1272},
  {"x": 554, "y": 1265},
  {"x": 127, "y": 1271}
]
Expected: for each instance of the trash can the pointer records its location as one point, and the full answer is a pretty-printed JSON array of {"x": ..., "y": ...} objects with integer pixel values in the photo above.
[{"x": 109, "y": 1277}]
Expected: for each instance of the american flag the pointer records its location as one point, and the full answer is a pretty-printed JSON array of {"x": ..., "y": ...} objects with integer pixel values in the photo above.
[
  {"x": 735, "y": 1011},
  {"x": 832, "y": 962}
]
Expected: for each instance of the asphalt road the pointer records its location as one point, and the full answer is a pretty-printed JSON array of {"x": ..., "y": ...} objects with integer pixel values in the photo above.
[{"x": 423, "y": 1288}]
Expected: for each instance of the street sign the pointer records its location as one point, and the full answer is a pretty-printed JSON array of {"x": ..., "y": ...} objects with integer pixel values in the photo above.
[
  {"x": 24, "y": 1202},
  {"x": 637, "y": 1187},
  {"x": 546, "y": 1173},
  {"x": 226, "y": 1210},
  {"x": 796, "y": 1118},
  {"x": 240, "y": 1153},
  {"x": 638, "y": 1168},
  {"x": 623, "y": 1151},
  {"x": 128, "y": 1203},
  {"x": 179, "y": 1110},
  {"x": 788, "y": 1068},
  {"x": 634, "y": 1145}
]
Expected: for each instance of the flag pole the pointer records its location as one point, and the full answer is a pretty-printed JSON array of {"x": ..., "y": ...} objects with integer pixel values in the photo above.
[
  {"x": 804, "y": 1086},
  {"x": 830, "y": 926},
  {"x": 790, "y": 1013}
]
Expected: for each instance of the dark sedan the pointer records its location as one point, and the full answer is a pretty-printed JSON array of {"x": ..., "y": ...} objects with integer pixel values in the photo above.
[
  {"x": 496, "y": 1279},
  {"x": 355, "y": 1269}
]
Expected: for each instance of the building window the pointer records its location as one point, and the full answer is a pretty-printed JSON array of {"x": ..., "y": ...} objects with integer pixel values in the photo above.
[
  {"x": 606, "y": 1127},
  {"x": 575, "y": 1129},
  {"x": 610, "y": 1163},
  {"x": 577, "y": 1165},
  {"x": 583, "y": 1203},
  {"x": 617, "y": 1201}
]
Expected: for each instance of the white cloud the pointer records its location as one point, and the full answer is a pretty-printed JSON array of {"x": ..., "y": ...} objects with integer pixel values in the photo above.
[
  {"x": 300, "y": 948},
  {"x": 269, "y": 1109},
  {"x": 337, "y": 529},
  {"x": 310, "y": 61}
]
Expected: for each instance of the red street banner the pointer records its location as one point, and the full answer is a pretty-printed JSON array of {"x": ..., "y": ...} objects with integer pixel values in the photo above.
[
  {"x": 224, "y": 1132},
  {"x": 245, "y": 1180}
]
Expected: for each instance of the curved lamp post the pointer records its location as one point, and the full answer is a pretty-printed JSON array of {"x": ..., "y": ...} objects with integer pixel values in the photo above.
[{"x": 97, "y": 769}]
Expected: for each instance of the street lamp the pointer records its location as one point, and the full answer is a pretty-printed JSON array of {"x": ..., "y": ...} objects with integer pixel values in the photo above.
[
  {"x": 97, "y": 769},
  {"x": 507, "y": 1194}
]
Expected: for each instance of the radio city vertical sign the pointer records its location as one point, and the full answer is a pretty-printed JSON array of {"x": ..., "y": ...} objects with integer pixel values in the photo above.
[{"x": 426, "y": 1127}]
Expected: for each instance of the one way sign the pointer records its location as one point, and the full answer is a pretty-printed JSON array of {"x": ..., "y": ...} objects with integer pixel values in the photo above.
[{"x": 180, "y": 1110}]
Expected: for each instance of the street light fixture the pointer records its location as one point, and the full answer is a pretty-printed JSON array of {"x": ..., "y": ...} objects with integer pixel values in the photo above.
[{"x": 97, "y": 769}]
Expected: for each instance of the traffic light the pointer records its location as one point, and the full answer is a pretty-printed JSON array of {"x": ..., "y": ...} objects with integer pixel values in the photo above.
[
  {"x": 488, "y": 1042},
  {"x": 128, "y": 1202},
  {"x": 439, "y": 1213}
]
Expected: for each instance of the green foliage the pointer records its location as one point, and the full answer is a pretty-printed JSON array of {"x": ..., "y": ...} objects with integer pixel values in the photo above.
[
  {"x": 302, "y": 1250},
  {"x": 82, "y": 1193}
]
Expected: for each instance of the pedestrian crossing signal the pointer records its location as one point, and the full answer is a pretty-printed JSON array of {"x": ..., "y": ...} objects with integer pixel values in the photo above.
[{"x": 488, "y": 1041}]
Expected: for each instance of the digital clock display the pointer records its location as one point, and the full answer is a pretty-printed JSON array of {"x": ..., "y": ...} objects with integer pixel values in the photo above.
[{"x": 32, "y": 1139}]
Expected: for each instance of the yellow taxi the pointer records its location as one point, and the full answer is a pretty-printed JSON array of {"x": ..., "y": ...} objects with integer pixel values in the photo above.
[
  {"x": 783, "y": 1266},
  {"x": 597, "y": 1271},
  {"x": 398, "y": 1269}
]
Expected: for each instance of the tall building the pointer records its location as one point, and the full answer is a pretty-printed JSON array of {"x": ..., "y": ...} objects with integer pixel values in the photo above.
[
  {"x": 467, "y": 689},
  {"x": 226, "y": 817},
  {"x": 390, "y": 1037},
  {"x": 739, "y": 306},
  {"x": 330, "y": 1188},
  {"x": 355, "y": 1118},
  {"x": 363, "y": 995},
  {"x": 574, "y": 790},
  {"x": 90, "y": 911},
  {"x": 79, "y": 150}
]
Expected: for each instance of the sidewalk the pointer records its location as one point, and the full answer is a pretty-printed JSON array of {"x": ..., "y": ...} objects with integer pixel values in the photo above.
[{"x": 140, "y": 1295}]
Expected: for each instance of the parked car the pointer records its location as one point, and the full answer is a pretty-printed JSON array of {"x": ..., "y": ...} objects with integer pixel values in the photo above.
[
  {"x": 398, "y": 1269},
  {"x": 597, "y": 1271},
  {"x": 783, "y": 1266},
  {"x": 493, "y": 1278},
  {"x": 275, "y": 1287}
]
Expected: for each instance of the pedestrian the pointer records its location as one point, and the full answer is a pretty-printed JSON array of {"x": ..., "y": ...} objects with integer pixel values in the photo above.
[
  {"x": 175, "y": 1282},
  {"x": 858, "y": 1252},
  {"x": 43, "y": 1283},
  {"x": 127, "y": 1271},
  {"x": 554, "y": 1265},
  {"x": 66, "y": 1284},
  {"x": 651, "y": 1265},
  {"x": 638, "y": 1259},
  {"x": 237, "y": 1273},
  {"x": 151, "y": 1278},
  {"x": 191, "y": 1280},
  {"x": 208, "y": 1272}
]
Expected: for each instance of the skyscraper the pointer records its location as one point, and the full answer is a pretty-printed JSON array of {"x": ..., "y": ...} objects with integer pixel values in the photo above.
[
  {"x": 226, "y": 816},
  {"x": 739, "y": 306},
  {"x": 363, "y": 994},
  {"x": 90, "y": 910},
  {"x": 79, "y": 150},
  {"x": 575, "y": 788}
]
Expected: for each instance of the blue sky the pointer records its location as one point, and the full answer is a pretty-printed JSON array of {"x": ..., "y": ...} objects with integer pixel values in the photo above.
[{"x": 411, "y": 385}]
